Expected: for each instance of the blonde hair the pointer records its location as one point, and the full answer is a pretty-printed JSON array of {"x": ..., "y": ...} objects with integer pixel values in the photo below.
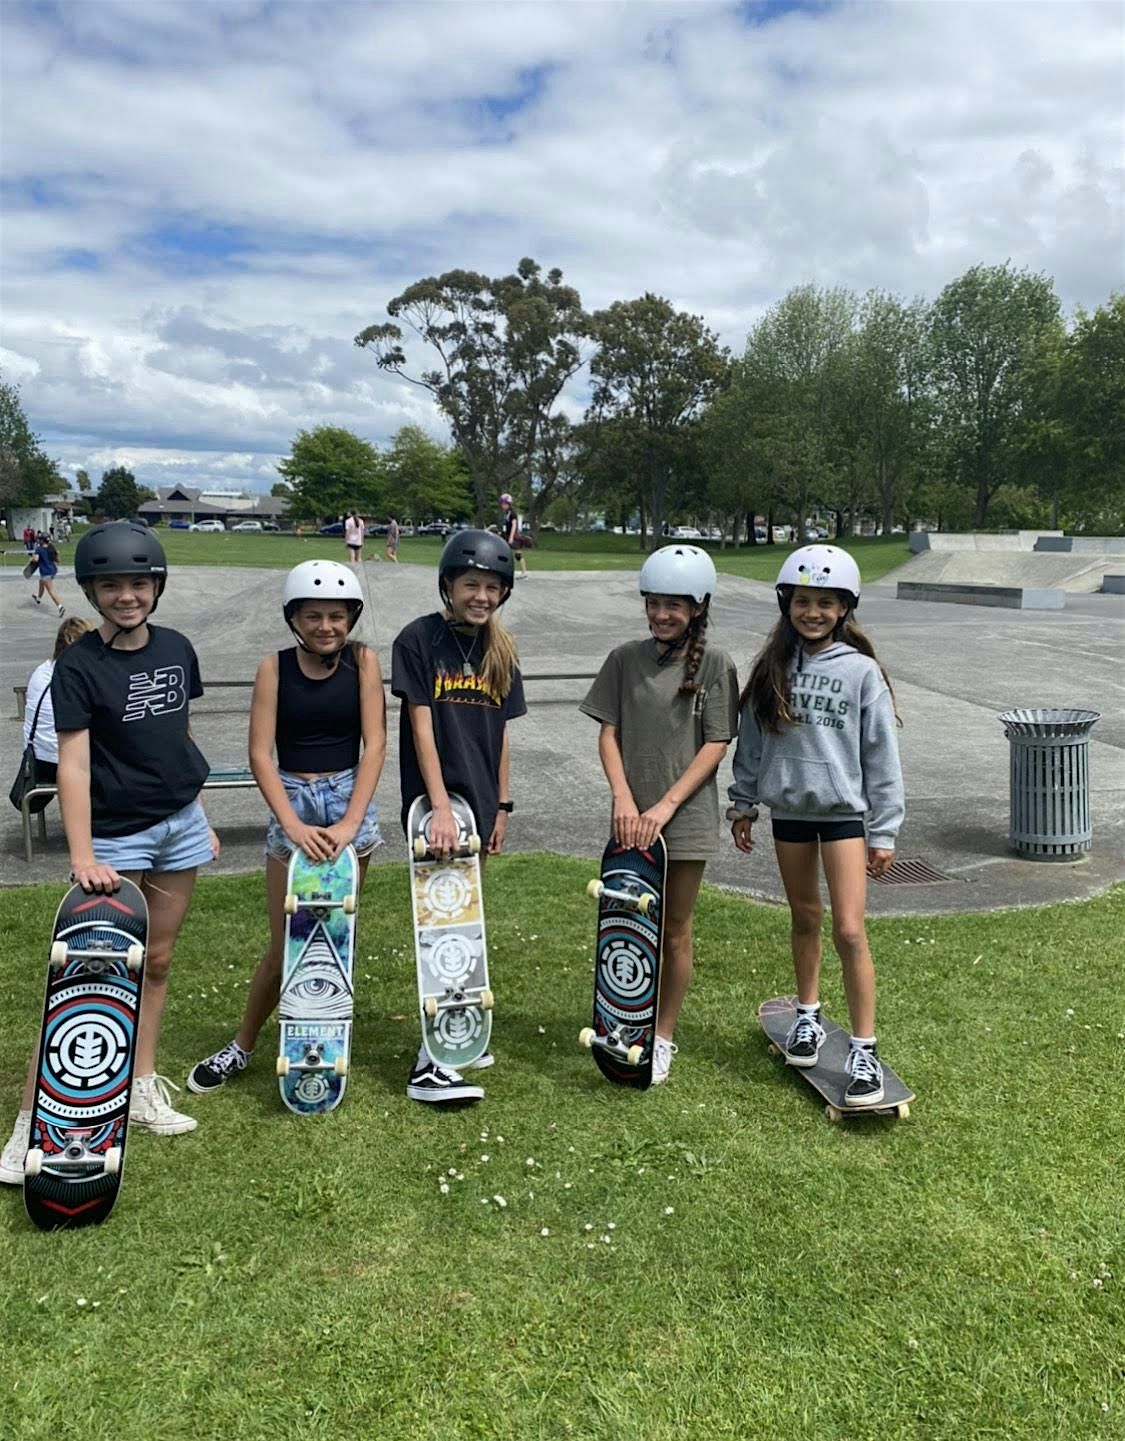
[
  {"x": 500, "y": 657},
  {"x": 68, "y": 633}
]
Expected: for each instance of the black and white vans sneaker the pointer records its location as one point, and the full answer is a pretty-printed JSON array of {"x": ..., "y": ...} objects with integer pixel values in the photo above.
[
  {"x": 805, "y": 1038},
  {"x": 482, "y": 1063},
  {"x": 431, "y": 1082},
  {"x": 866, "y": 1085},
  {"x": 210, "y": 1074}
]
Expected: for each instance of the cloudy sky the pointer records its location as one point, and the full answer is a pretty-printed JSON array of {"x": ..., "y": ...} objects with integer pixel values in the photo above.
[{"x": 205, "y": 200}]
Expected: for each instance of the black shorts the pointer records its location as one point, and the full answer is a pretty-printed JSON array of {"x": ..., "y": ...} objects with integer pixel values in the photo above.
[{"x": 823, "y": 829}]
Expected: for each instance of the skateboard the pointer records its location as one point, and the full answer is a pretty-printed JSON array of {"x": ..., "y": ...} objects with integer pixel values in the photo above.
[
  {"x": 630, "y": 939},
  {"x": 828, "y": 1077},
  {"x": 453, "y": 992},
  {"x": 317, "y": 987},
  {"x": 30, "y": 568},
  {"x": 80, "y": 1113}
]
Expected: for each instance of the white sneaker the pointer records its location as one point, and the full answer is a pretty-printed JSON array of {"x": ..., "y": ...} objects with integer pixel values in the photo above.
[
  {"x": 662, "y": 1053},
  {"x": 15, "y": 1152},
  {"x": 151, "y": 1108}
]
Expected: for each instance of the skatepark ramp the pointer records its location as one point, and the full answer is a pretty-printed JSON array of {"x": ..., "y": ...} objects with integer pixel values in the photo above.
[{"x": 1029, "y": 559}]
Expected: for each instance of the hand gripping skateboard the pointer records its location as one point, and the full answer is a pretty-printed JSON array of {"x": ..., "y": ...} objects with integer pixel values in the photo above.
[
  {"x": 828, "y": 1077},
  {"x": 84, "y": 1077},
  {"x": 630, "y": 938},
  {"x": 317, "y": 987},
  {"x": 453, "y": 992}
]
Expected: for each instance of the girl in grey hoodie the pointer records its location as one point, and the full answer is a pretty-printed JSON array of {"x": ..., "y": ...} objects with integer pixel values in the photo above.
[{"x": 817, "y": 744}]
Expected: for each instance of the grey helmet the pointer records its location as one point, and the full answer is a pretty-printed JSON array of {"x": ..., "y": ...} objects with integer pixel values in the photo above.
[
  {"x": 476, "y": 550},
  {"x": 121, "y": 547}
]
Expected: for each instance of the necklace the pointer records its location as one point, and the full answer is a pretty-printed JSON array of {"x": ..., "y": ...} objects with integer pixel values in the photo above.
[{"x": 466, "y": 655}]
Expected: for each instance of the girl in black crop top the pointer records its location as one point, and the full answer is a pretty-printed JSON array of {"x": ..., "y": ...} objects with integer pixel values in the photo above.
[{"x": 320, "y": 707}]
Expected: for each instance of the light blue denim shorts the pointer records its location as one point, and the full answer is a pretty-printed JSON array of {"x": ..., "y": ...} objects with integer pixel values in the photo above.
[
  {"x": 179, "y": 843},
  {"x": 322, "y": 802}
]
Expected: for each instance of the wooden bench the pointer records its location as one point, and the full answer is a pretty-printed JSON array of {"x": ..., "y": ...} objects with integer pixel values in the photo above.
[{"x": 222, "y": 778}]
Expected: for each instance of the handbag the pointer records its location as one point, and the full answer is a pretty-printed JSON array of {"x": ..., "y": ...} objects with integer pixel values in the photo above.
[{"x": 27, "y": 775}]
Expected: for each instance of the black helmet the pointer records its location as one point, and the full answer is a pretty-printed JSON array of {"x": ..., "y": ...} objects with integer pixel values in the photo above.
[
  {"x": 120, "y": 547},
  {"x": 476, "y": 550}
]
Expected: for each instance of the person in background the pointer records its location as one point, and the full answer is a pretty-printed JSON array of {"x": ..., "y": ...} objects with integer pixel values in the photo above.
[
  {"x": 45, "y": 740},
  {"x": 46, "y": 567},
  {"x": 354, "y": 531}
]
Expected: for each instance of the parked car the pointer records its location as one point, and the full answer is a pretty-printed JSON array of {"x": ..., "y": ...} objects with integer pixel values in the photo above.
[
  {"x": 815, "y": 532},
  {"x": 208, "y": 525},
  {"x": 435, "y": 527},
  {"x": 270, "y": 525},
  {"x": 336, "y": 528},
  {"x": 249, "y": 525},
  {"x": 179, "y": 525},
  {"x": 685, "y": 532}
]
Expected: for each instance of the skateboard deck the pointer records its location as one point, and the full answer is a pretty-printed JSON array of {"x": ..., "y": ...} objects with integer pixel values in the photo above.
[
  {"x": 30, "y": 568},
  {"x": 449, "y": 944},
  {"x": 80, "y": 1113},
  {"x": 828, "y": 1077},
  {"x": 630, "y": 939},
  {"x": 317, "y": 981}
]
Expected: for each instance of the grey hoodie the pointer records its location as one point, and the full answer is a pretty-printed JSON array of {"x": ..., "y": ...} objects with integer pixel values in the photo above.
[{"x": 839, "y": 759}]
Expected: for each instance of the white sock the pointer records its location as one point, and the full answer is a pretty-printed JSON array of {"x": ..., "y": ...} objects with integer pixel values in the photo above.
[
  {"x": 808, "y": 1010},
  {"x": 865, "y": 1041}
]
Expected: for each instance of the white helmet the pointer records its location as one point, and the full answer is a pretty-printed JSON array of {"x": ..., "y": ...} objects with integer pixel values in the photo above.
[
  {"x": 679, "y": 570},
  {"x": 825, "y": 567},
  {"x": 321, "y": 580}
]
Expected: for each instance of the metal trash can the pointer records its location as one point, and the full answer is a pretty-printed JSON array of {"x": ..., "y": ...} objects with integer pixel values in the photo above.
[{"x": 1049, "y": 782}]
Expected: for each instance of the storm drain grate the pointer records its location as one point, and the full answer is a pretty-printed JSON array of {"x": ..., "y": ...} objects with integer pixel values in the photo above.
[{"x": 914, "y": 872}]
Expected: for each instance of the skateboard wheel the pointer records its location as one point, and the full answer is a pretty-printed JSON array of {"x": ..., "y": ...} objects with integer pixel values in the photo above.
[
  {"x": 419, "y": 848},
  {"x": 473, "y": 846},
  {"x": 834, "y": 1114},
  {"x": 290, "y": 904},
  {"x": 633, "y": 1055},
  {"x": 349, "y": 905},
  {"x": 33, "y": 1162},
  {"x": 113, "y": 1161},
  {"x": 594, "y": 889},
  {"x": 135, "y": 956},
  {"x": 773, "y": 1049},
  {"x": 902, "y": 1111},
  {"x": 429, "y": 1005},
  {"x": 586, "y": 1037},
  {"x": 283, "y": 1065},
  {"x": 58, "y": 954},
  {"x": 340, "y": 1065},
  {"x": 486, "y": 999},
  {"x": 644, "y": 904}
]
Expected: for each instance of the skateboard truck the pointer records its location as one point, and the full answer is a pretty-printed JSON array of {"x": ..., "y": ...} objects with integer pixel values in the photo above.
[
  {"x": 458, "y": 1000},
  {"x": 75, "y": 1156},
  {"x": 643, "y": 903},
  {"x": 319, "y": 904},
  {"x": 467, "y": 846},
  {"x": 612, "y": 1043},
  {"x": 313, "y": 1061},
  {"x": 98, "y": 958}
]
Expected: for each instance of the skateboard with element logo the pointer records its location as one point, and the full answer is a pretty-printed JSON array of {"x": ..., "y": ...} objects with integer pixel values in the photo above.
[
  {"x": 84, "y": 1074},
  {"x": 449, "y": 945},
  {"x": 828, "y": 1077},
  {"x": 630, "y": 939},
  {"x": 317, "y": 981}
]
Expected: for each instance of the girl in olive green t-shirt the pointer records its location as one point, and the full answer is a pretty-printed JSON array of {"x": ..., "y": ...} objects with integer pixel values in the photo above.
[{"x": 668, "y": 708}]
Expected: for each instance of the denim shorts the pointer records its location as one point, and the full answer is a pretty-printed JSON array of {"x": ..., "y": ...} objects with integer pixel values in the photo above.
[
  {"x": 179, "y": 843},
  {"x": 322, "y": 802}
]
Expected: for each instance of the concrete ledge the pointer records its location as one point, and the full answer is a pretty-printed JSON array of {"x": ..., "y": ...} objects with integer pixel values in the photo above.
[
  {"x": 1010, "y": 596},
  {"x": 1113, "y": 584},
  {"x": 1051, "y": 544}
]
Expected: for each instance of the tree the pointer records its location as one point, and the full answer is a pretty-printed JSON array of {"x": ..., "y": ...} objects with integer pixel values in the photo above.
[
  {"x": 655, "y": 369},
  {"x": 1091, "y": 410},
  {"x": 26, "y": 473},
  {"x": 425, "y": 478},
  {"x": 331, "y": 470},
  {"x": 281, "y": 489},
  {"x": 506, "y": 346},
  {"x": 984, "y": 328},
  {"x": 82, "y": 480},
  {"x": 119, "y": 496}
]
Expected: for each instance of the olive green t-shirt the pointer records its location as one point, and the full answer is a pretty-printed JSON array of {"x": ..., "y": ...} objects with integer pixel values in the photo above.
[{"x": 661, "y": 731}]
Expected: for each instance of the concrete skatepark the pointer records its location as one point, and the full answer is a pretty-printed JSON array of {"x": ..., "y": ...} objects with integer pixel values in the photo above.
[{"x": 954, "y": 668}]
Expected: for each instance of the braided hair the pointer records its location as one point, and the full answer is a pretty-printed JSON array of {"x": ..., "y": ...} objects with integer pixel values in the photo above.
[{"x": 693, "y": 653}]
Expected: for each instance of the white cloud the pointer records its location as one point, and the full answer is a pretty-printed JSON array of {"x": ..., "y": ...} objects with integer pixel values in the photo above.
[{"x": 218, "y": 197}]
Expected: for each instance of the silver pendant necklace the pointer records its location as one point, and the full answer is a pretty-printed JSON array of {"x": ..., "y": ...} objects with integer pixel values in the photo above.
[{"x": 466, "y": 655}]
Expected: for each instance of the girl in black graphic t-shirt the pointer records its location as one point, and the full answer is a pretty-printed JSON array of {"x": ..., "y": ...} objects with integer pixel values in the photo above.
[
  {"x": 129, "y": 776},
  {"x": 456, "y": 673},
  {"x": 318, "y": 707}
]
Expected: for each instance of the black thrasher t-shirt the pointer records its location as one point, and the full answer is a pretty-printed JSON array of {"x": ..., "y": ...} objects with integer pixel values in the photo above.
[
  {"x": 427, "y": 669},
  {"x": 144, "y": 767}
]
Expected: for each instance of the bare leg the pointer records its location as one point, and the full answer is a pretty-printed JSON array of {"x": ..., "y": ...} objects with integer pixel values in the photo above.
[
  {"x": 797, "y": 861},
  {"x": 168, "y": 895},
  {"x": 680, "y": 893},
  {"x": 845, "y": 869}
]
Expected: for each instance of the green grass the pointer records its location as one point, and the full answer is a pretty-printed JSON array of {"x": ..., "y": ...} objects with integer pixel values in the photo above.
[
  {"x": 602, "y": 551},
  {"x": 721, "y": 1261}
]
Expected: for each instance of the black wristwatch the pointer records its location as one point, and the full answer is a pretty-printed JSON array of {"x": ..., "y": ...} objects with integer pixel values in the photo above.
[{"x": 508, "y": 806}]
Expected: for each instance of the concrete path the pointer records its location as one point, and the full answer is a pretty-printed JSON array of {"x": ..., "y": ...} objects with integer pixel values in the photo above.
[{"x": 953, "y": 669}]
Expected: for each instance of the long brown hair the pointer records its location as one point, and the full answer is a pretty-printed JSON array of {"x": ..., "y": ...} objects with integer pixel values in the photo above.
[
  {"x": 767, "y": 690},
  {"x": 696, "y": 645},
  {"x": 68, "y": 633}
]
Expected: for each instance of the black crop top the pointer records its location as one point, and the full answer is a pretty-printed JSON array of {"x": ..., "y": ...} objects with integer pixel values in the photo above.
[{"x": 318, "y": 721}]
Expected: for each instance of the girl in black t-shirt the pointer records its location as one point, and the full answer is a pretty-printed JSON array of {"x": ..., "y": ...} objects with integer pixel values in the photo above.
[
  {"x": 129, "y": 777},
  {"x": 318, "y": 735},
  {"x": 457, "y": 676}
]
